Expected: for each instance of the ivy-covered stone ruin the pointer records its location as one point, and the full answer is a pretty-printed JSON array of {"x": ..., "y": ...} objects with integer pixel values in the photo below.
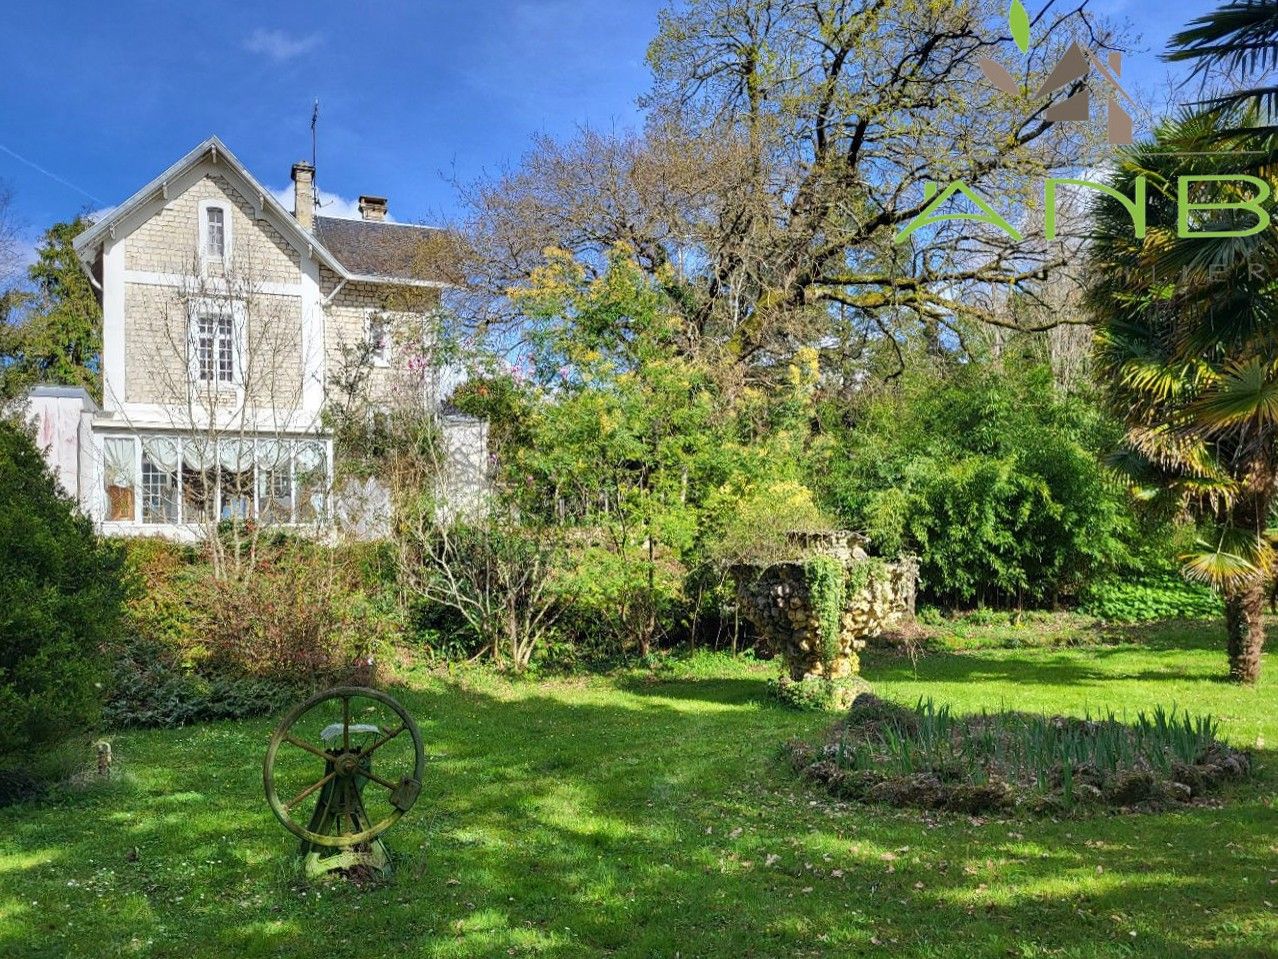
[{"x": 818, "y": 605}]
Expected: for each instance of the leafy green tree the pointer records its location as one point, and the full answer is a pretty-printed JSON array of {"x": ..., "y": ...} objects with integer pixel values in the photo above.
[
  {"x": 621, "y": 442},
  {"x": 59, "y": 337},
  {"x": 60, "y": 602},
  {"x": 990, "y": 474},
  {"x": 1188, "y": 349}
]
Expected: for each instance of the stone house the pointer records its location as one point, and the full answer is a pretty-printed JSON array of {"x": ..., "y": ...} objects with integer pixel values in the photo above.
[{"x": 230, "y": 326}]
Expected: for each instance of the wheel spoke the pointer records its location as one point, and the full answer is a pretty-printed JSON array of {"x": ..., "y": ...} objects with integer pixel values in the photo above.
[
  {"x": 303, "y": 744},
  {"x": 288, "y": 806},
  {"x": 369, "y": 774},
  {"x": 346, "y": 723},
  {"x": 384, "y": 740}
]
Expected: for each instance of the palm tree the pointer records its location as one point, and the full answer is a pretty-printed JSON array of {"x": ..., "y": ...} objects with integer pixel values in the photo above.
[
  {"x": 1240, "y": 38},
  {"x": 1187, "y": 342}
]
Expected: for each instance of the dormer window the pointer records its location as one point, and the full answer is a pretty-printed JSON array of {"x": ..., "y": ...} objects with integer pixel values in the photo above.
[{"x": 215, "y": 231}]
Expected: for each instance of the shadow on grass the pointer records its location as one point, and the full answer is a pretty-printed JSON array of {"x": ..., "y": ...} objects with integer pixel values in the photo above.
[
  {"x": 631, "y": 827},
  {"x": 728, "y": 692}
]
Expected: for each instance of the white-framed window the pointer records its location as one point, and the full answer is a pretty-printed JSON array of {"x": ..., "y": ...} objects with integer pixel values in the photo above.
[
  {"x": 161, "y": 498},
  {"x": 175, "y": 480},
  {"x": 215, "y": 231},
  {"x": 377, "y": 331},
  {"x": 217, "y": 328},
  {"x": 215, "y": 348}
]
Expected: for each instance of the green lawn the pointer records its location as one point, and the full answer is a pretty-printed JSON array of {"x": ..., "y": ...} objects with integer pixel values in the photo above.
[{"x": 647, "y": 815}]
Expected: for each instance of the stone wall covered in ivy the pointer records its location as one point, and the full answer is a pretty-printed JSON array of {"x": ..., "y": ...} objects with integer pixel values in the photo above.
[{"x": 818, "y": 609}]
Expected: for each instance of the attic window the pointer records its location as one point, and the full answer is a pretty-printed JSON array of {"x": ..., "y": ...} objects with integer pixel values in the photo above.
[
  {"x": 215, "y": 243},
  {"x": 215, "y": 230}
]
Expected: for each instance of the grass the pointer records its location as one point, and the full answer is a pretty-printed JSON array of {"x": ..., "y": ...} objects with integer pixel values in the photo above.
[{"x": 648, "y": 814}]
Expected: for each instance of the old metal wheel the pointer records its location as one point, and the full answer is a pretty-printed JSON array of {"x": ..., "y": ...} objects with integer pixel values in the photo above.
[{"x": 345, "y": 770}]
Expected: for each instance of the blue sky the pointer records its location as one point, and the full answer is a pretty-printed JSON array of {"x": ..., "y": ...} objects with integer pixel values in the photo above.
[{"x": 103, "y": 96}]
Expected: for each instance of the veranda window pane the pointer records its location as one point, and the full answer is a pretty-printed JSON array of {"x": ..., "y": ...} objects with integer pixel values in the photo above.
[
  {"x": 199, "y": 480},
  {"x": 159, "y": 481},
  {"x": 120, "y": 479},
  {"x": 274, "y": 482},
  {"x": 235, "y": 457}
]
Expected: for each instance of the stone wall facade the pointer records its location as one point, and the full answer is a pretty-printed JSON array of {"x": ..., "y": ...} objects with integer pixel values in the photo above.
[
  {"x": 346, "y": 320},
  {"x": 169, "y": 242}
]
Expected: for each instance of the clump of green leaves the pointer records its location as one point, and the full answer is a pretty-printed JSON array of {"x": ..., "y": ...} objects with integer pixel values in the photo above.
[
  {"x": 817, "y": 693},
  {"x": 150, "y": 686},
  {"x": 1143, "y": 600},
  {"x": 825, "y": 581}
]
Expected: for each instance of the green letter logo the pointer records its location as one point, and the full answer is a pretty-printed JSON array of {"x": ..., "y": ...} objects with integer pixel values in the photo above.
[
  {"x": 1186, "y": 205},
  {"x": 925, "y": 217},
  {"x": 1135, "y": 206}
]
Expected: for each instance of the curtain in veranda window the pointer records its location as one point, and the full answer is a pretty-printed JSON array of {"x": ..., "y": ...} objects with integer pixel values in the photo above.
[
  {"x": 160, "y": 460},
  {"x": 119, "y": 477}
]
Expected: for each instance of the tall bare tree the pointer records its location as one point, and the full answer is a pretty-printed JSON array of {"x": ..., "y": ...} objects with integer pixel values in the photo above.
[{"x": 788, "y": 143}]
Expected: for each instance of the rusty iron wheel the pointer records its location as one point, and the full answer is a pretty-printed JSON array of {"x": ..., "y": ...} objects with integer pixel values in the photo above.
[{"x": 343, "y": 766}]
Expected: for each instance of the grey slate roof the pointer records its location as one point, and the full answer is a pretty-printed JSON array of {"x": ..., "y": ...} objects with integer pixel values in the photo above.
[{"x": 379, "y": 249}]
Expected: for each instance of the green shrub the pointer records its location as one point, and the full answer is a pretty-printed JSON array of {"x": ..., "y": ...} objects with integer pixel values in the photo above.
[
  {"x": 60, "y": 601},
  {"x": 304, "y": 612},
  {"x": 609, "y": 600},
  {"x": 816, "y": 693},
  {"x": 151, "y": 687},
  {"x": 991, "y": 475},
  {"x": 1166, "y": 596}
]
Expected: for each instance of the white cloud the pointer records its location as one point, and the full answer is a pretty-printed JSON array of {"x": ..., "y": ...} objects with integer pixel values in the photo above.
[
  {"x": 330, "y": 204},
  {"x": 280, "y": 46}
]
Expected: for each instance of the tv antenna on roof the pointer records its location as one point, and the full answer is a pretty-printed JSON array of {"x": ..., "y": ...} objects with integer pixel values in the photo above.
[{"x": 314, "y": 124}]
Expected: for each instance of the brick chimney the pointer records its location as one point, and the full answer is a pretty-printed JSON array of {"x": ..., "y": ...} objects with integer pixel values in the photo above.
[
  {"x": 372, "y": 207},
  {"x": 304, "y": 195}
]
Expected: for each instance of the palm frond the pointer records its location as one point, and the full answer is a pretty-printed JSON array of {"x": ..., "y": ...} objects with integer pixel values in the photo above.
[
  {"x": 1231, "y": 557},
  {"x": 1240, "y": 38},
  {"x": 1247, "y": 392}
]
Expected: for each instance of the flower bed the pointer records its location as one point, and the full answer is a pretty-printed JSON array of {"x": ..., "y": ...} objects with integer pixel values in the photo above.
[{"x": 928, "y": 757}]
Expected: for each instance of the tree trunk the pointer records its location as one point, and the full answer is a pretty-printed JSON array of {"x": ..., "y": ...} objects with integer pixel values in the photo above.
[{"x": 1244, "y": 623}]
